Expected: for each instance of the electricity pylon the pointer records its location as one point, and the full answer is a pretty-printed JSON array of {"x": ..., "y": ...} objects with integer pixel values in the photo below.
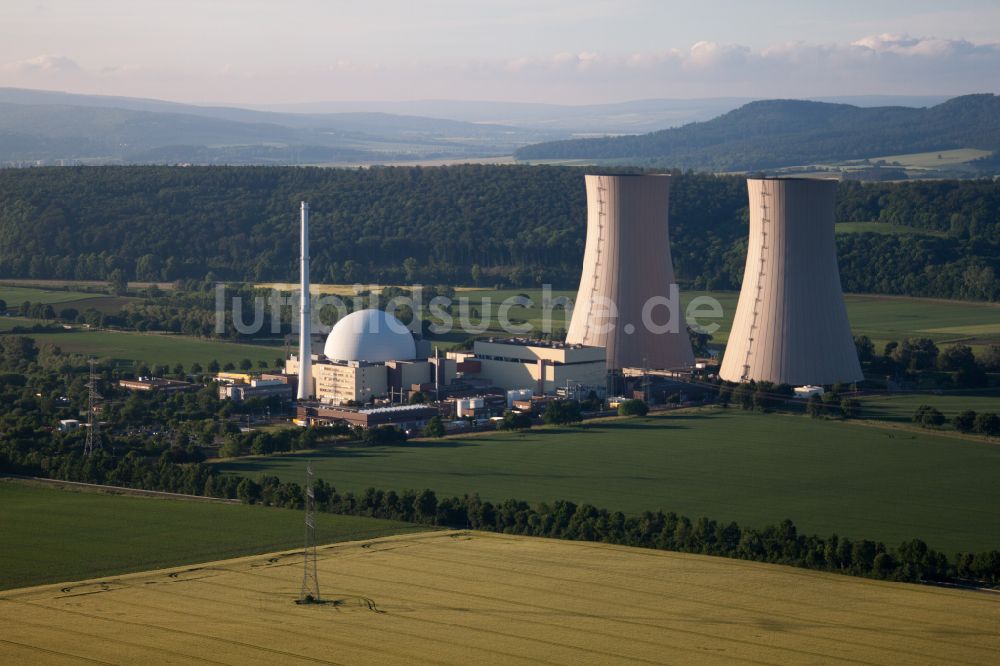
[
  {"x": 93, "y": 424},
  {"x": 310, "y": 581}
]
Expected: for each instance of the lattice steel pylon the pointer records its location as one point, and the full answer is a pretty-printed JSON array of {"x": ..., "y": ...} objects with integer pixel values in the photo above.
[
  {"x": 310, "y": 581},
  {"x": 757, "y": 300},
  {"x": 93, "y": 425}
]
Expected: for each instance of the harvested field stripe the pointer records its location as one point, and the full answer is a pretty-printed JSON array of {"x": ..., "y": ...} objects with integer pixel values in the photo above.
[
  {"x": 597, "y": 570},
  {"x": 595, "y": 616},
  {"x": 910, "y": 636},
  {"x": 183, "y": 632},
  {"x": 338, "y": 639},
  {"x": 449, "y": 624},
  {"x": 154, "y": 649},
  {"x": 35, "y": 648}
]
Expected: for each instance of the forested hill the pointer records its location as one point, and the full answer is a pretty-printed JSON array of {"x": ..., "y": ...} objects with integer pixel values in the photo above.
[
  {"x": 510, "y": 225},
  {"x": 776, "y": 133}
]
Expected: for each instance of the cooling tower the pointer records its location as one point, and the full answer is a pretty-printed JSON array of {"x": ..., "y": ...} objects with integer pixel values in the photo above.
[
  {"x": 791, "y": 324},
  {"x": 627, "y": 270}
]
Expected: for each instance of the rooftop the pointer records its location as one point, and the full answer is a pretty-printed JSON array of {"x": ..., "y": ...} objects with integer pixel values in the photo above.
[
  {"x": 393, "y": 408},
  {"x": 532, "y": 342}
]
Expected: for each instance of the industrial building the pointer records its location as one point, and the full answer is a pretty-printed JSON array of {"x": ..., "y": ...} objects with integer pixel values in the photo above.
[
  {"x": 157, "y": 384},
  {"x": 409, "y": 418},
  {"x": 627, "y": 270},
  {"x": 370, "y": 354},
  {"x": 539, "y": 366},
  {"x": 256, "y": 388},
  {"x": 791, "y": 324}
]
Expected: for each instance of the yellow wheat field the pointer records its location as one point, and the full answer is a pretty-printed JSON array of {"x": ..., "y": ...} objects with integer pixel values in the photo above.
[{"x": 471, "y": 598}]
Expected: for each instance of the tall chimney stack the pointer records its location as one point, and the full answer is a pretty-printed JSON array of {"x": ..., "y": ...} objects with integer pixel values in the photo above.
[{"x": 305, "y": 313}]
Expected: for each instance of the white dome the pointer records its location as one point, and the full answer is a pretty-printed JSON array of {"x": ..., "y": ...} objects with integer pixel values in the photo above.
[{"x": 370, "y": 335}]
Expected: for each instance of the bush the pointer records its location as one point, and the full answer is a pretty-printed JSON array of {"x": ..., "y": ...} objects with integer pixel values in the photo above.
[
  {"x": 814, "y": 406},
  {"x": 230, "y": 448},
  {"x": 634, "y": 407},
  {"x": 434, "y": 427},
  {"x": 988, "y": 424},
  {"x": 562, "y": 412},
  {"x": 932, "y": 418},
  {"x": 965, "y": 422},
  {"x": 850, "y": 408},
  {"x": 383, "y": 435},
  {"x": 514, "y": 421},
  {"x": 918, "y": 415}
]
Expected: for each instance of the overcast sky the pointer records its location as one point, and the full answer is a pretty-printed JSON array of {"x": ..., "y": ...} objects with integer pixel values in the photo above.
[{"x": 584, "y": 51}]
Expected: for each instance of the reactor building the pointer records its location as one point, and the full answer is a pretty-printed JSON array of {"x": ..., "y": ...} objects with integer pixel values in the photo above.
[
  {"x": 791, "y": 324},
  {"x": 628, "y": 276}
]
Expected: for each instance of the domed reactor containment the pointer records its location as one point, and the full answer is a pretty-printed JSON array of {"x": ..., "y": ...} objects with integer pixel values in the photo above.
[
  {"x": 373, "y": 336},
  {"x": 791, "y": 325},
  {"x": 627, "y": 267}
]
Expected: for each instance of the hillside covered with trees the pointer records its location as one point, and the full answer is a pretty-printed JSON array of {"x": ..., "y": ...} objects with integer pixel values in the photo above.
[
  {"x": 777, "y": 133},
  {"x": 508, "y": 225}
]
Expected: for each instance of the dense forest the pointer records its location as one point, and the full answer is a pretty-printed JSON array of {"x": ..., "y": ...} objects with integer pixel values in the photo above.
[
  {"x": 776, "y": 133},
  {"x": 489, "y": 225}
]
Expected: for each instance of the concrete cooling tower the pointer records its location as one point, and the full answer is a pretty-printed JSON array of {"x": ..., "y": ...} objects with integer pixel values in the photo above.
[
  {"x": 791, "y": 324},
  {"x": 627, "y": 266}
]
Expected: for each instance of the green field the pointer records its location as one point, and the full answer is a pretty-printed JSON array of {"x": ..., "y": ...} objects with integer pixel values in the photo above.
[
  {"x": 916, "y": 164},
  {"x": 939, "y": 159},
  {"x": 900, "y": 408},
  {"x": 883, "y": 228},
  {"x": 882, "y": 318},
  {"x": 154, "y": 348},
  {"x": 52, "y": 535},
  {"x": 856, "y": 480},
  {"x": 8, "y": 323},
  {"x": 14, "y": 296}
]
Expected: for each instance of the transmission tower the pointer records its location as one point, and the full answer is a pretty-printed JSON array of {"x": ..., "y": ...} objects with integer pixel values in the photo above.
[
  {"x": 93, "y": 424},
  {"x": 310, "y": 582}
]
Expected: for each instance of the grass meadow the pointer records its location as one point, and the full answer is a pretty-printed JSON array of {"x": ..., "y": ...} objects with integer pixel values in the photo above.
[
  {"x": 860, "y": 481},
  {"x": 882, "y": 318},
  {"x": 53, "y": 534}
]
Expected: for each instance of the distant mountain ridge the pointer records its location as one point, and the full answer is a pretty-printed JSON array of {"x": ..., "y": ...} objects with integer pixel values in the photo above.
[
  {"x": 777, "y": 133},
  {"x": 45, "y": 126}
]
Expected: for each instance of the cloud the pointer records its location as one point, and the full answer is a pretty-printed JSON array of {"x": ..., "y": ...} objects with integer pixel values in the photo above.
[
  {"x": 929, "y": 47},
  {"x": 877, "y": 64},
  {"x": 45, "y": 63}
]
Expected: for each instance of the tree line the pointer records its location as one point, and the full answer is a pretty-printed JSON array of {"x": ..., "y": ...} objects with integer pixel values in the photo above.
[{"x": 472, "y": 224}]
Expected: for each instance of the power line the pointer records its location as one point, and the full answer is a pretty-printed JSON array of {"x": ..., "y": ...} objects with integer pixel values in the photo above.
[
  {"x": 93, "y": 425},
  {"x": 309, "y": 594}
]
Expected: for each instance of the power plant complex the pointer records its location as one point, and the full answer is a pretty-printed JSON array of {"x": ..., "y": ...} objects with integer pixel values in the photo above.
[{"x": 791, "y": 324}]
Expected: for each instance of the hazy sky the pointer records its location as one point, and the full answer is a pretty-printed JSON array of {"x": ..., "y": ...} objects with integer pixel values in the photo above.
[{"x": 584, "y": 51}]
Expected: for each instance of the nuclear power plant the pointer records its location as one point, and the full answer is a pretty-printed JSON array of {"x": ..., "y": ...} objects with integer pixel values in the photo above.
[
  {"x": 791, "y": 324},
  {"x": 628, "y": 273}
]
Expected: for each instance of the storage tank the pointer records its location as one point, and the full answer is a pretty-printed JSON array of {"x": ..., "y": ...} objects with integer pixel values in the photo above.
[
  {"x": 791, "y": 324},
  {"x": 468, "y": 406},
  {"x": 518, "y": 394},
  {"x": 627, "y": 266}
]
